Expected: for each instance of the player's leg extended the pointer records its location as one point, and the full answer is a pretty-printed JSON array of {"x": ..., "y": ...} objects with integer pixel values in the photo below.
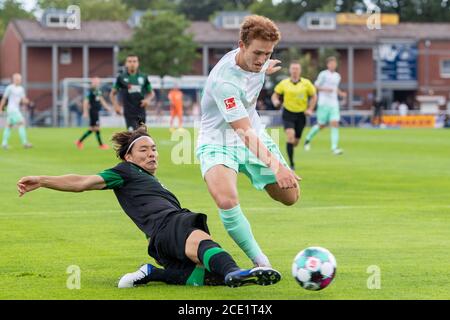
[
  {"x": 321, "y": 123},
  {"x": 180, "y": 119},
  {"x": 84, "y": 136},
  {"x": 172, "y": 117},
  {"x": 290, "y": 144},
  {"x": 201, "y": 248},
  {"x": 334, "y": 124},
  {"x": 6, "y": 135},
  {"x": 22, "y": 131},
  {"x": 221, "y": 182}
]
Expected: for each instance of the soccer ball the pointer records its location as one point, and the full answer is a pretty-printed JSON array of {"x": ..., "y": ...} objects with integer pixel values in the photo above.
[{"x": 314, "y": 268}]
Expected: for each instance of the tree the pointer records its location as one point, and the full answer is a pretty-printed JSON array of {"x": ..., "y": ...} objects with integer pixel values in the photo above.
[
  {"x": 162, "y": 44},
  {"x": 92, "y": 10},
  {"x": 11, "y": 9},
  {"x": 151, "y": 4},
  {"x": 289, "y": 10},
  {"x": 408, "y": 10},
  {"x": 202, "y": 10},
  {"x": 268, "y": 9}
]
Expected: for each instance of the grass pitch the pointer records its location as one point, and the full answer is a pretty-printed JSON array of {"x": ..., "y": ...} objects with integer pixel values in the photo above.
[{"x": 384, "y": 203}]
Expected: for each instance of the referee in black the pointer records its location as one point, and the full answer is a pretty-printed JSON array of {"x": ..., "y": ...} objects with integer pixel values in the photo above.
[
  {"x": 298, "y": 97},
  {"x": 179, "y": 239},
  {"x": 136, "y": 92}
]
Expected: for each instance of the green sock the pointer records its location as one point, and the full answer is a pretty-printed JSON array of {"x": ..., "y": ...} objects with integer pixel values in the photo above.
[
  {"x": 312, "y": 133},
  {"x": 240, "y": 231},
  {"x": 99, "y": 138},
  {"x": 334, "y": 138},
  {"x": 23, "y": 134},
  {"x": 6, "y": 134},
  {"x": 85, "y": 135}
]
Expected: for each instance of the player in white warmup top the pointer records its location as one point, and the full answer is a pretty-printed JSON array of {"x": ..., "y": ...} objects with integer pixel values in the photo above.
[
  {"x": 232, "y": 138},
  {"x": 15, "y": 94},
  {"x": 327, "y": 84}
]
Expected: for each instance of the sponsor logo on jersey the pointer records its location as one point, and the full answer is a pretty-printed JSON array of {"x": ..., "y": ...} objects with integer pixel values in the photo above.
[
  {"x": 132, "y": 88},
  {"x": 230, "y": 103}
]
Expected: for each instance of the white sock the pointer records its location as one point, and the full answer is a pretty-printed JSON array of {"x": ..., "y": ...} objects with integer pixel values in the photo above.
[{"x": 261, "y": 260}]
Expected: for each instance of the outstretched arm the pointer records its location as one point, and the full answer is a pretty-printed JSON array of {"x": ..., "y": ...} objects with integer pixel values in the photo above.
[{"x": 68, "y": 183}]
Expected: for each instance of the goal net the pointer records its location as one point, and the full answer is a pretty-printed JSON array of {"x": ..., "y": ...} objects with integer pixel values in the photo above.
[{"x": 158, "y": 114}]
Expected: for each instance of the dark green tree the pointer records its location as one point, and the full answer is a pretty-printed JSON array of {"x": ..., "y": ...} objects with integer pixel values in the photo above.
[
  {"x": 11, "y": 9},
  {"x": 92, "y": 9},
  {"x": 162, "y": 44},
  {"x": 151, "y": 4}
]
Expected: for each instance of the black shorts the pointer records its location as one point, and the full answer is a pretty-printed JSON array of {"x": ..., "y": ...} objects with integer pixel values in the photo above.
[
  {"x": 134, "y": 121},
  {"x": 294, "y": 120},
  {"x": 168, "y": 245},
  {"x": 94, "y": 118}
]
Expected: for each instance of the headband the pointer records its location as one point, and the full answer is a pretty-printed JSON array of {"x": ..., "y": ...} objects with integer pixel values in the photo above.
[{"x": 134, "y": 141}]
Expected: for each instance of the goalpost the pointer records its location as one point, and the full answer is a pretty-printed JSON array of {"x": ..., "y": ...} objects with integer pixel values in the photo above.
[{"x": 75, "y": 89}]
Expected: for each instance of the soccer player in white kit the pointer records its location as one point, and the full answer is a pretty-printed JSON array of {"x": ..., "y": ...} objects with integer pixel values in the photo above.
[
  {"x": 327, "y": 84},
  {"x": 15, "y": 94},
  {"x": 232, "y": 138}
]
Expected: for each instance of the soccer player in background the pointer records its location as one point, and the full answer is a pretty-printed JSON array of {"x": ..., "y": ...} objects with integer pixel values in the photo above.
[
  {"x": 136, "y": 92},
  {"x": 232, "y": 137},
  {"x": 175, "y": 96},
  {"x": 299, "y": 98},
  {"x": 179, "y": 239},
  {"x": 327, "y": 84},
  {"x": 15, "y": 94},
  {"x": 92, "y": 104}
]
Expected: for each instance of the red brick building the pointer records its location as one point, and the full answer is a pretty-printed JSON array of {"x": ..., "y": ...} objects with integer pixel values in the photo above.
[
  {"x": 46, "y": 54},
  {"x": 364, "y": 73},
  {"x": 397, "y": 61}
]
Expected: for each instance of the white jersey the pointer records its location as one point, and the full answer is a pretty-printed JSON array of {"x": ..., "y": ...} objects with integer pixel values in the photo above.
[
  {"x": 14, "y": 94},
  {"x": 230, "y": 94},
  {"x": 331, "y": 80}
]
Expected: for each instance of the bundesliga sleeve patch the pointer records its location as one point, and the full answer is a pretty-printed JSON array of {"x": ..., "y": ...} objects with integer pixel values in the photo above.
[{"x": 230, "y": 103}]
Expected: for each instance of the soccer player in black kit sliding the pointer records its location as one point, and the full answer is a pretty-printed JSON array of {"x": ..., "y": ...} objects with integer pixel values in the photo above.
[
  {"x": 136, "y": 92},
  {"x": 179, "y": 239}
]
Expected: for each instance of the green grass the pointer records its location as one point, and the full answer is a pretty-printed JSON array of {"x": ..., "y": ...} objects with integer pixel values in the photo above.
[{"x": 385, "y": 202}]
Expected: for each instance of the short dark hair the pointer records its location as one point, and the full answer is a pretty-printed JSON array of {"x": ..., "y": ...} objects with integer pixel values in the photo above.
[
  {"x": 332, "y": 58},
  {"x": 295, "y": 62},
  {"x": 132, "y": 55},
  {"x": 123, "y": 140}
]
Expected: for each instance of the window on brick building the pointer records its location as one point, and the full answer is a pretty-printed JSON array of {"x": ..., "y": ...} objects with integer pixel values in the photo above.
[
  {"x": 445, "y": 68},
  {"x": 65, "y": 56}
]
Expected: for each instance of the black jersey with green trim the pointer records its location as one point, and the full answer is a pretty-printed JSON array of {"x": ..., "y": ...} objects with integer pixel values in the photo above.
[
  {"x": 93, "y": 97},
  {"x": 133, "y": 88},
  {"x": 143, "y": 198}
]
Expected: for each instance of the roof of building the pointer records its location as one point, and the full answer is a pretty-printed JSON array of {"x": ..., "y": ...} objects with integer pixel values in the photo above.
[
  {"x": 207, "y": 33},
  {"x": 90, "y": 32},
  {"x": 291, "y": 32}
]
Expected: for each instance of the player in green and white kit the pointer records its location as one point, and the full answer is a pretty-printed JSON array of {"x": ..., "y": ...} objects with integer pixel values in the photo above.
[
  {"x": 15, "y": 94},
  {"x": 232, "y": 137},
  {"x": 327, "y": 84}
]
